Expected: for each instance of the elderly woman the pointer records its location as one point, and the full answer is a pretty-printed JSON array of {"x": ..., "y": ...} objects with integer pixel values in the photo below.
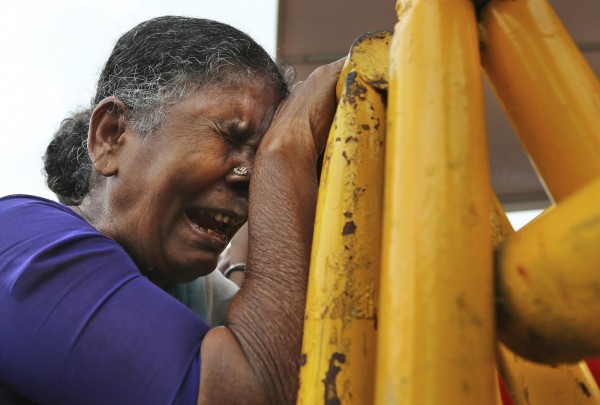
[
  {"x": 68, "y": 168},
  {"x": 187, "y": 111}
]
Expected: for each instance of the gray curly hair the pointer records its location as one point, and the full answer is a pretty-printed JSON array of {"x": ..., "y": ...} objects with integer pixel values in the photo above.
[
  {"x": 161, "y": 61},
  {"x": 155, "y": 65}
]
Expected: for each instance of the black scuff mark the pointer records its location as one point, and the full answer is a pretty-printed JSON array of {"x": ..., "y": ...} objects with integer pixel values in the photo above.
[
  {"x": 331, "y": 395},
  {"x": 584, "y": 389},
  {"x": 349, "y": 228},
  {"x": 348, "y": 161}
]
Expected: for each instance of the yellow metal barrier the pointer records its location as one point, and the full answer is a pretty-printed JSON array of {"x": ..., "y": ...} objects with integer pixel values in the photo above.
[
  {"x": 341, "y": 310},
  {"x": 533, "y": 383},
  {"x": 549, "y": 285},
  {"x": 553, "y": 100},
  {"x": 548, "y": 90},
  {"x": 425, "y": 327},
  {"x": 436, "y": 335}
]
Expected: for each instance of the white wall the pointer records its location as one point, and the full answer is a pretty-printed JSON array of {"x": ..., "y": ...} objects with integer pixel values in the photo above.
[{"x": 519, "y": 219}]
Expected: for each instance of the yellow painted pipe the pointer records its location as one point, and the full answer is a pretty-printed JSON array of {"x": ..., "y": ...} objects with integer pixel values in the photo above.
[
  {"x": 341, "y": 310},
  {"x": 548, "y": 283},
  {"x": 547, "y": 88},
  {"x": 436, "y": 341},
  {"x": 534, "y": 383},
  {"x": 370, "y": 58}
]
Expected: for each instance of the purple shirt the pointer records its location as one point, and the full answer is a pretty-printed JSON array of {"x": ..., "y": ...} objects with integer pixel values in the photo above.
[{"x": 79, "y": 324}]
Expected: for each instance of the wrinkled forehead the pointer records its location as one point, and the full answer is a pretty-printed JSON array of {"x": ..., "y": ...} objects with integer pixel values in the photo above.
[
  {"x": 240, "y": 77},
  {"x": 253, "y": 90},
  {"x": 242, "y": 103}
]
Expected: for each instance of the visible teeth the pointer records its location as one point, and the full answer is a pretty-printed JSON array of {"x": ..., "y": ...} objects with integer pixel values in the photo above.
[
  {"x": 211, "y": 232},
  {"x": 226, "y": 219}
]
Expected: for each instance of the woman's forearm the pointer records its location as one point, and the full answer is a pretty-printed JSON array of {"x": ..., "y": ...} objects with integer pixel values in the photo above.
[
  {"x": 271, "y": 307},
  {"x": 265, "y": 319}
]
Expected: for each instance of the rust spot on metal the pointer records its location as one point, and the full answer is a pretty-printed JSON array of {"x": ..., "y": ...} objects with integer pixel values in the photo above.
[
  {"x": 584, "y": 389},
  {"x": 345, "y": 155},
  {"x": 303, "y": 360},
  {"x": 357, "y": 193},
  {"x": 349, "y": 228},
  {"x": 379, "y": 82},
  {"x": 354, "y": 90},
  {"x": 331, "y": 396}
]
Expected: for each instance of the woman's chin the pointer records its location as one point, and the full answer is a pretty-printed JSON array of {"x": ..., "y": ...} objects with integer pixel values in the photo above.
[{"x": 184, "y": 272}]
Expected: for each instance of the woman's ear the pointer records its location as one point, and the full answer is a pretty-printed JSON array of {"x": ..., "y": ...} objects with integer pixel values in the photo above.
[{"x": 105, "y": 137}]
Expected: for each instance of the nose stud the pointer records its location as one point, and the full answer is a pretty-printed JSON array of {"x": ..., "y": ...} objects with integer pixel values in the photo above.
[{"x": 240, "y": 171}]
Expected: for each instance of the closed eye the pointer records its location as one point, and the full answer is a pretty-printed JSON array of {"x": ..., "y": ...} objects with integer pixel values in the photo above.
[{"x": 238, "y": 134}]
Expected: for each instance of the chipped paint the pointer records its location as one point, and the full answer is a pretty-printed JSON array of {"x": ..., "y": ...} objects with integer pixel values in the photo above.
[
  {"x": 331, "y": 394},
  {"x": 349, "y": 228},
  {"x": 584, "y": 389}
]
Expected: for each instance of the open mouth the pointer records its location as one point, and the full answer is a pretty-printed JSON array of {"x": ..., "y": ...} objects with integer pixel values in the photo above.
[{"x": 217, "y": 224}]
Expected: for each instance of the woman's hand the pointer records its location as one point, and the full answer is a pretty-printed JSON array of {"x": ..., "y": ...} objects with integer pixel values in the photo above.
[{"x": 309, "y": 109}]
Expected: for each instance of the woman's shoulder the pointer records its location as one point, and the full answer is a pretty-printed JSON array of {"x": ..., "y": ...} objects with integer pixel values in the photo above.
[
  {"x": 47, "y": 251},
  {"x": 26, "y": 216},
  {"x": 17, "y": 203},
  {"x": 41, "y": 233}
]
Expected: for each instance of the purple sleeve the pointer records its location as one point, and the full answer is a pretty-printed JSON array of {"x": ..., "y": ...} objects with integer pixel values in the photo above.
[{"x": 78, "y": 322}]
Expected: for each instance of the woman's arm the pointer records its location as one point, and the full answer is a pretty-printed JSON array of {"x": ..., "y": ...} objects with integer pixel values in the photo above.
[{"x": 255, "y": 359}]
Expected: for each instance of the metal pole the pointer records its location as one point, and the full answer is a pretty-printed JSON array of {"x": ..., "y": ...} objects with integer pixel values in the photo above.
[
  {"x": 436, "y": 341},
  {"x": 535, "y": 383},
  {"x": 548, "y": 284},
  {"x": 341, "y": 311},
  {"x": 548, "y": 90}
]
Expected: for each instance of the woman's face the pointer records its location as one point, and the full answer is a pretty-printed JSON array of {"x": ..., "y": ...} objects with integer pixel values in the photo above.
[{"x": 175, "y": 201}]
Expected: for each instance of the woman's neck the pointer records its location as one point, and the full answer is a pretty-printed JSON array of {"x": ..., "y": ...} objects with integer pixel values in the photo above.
[{"x": 86, "y": 211}]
